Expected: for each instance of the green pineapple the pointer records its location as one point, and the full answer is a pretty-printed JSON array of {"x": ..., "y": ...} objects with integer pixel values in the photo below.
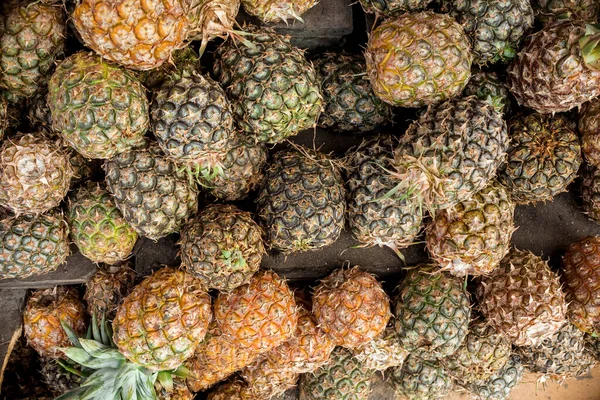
[
  {"x": 500, "y": 384},
  {"x": 419, "y": 379}
]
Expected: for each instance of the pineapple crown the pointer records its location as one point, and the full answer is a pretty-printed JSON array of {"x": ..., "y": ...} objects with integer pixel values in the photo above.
[
  {"x": 106, "y": 373},
  {"x": 590, "y": 46}
]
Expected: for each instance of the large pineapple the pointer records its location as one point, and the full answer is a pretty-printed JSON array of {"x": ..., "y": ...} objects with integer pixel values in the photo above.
[
  {"x": 273, "y": 89},
  {"x": 472, "y": 237},
  {"x": 350, "y": 104},
  {"x": 489, "y": 86},
  {"x": 107, "y": 288},
  {"x": 419, "y": 379},
  {"x": 500, "y": 384},
  {"x": 32, "y": 245},
  {"x": 351, "y": 307},
  {"x": 31, "y": 38},
  {"x": 589, "y": 131},
  {"x": 432, "y": 311},
  {"x": 223, "y": 246},
  {"x": 590, "y": 192},
  {"x": 35, "y": 174},
  {"x": 278, "y": 11},
  {"x": 390, "y": 8},
  {"x": 540, "y": 78},
  {"x": 404, "y": 75},
  {"x": 97, "y": 226},
  {"x": 523, "y": 299},
  {"x": 495, "y": 27},
  {"x": 163, "y": 319},
  {"x": 581, "y": 277},
  {"x": 543, "y": 157},
  {"x": 155, "y": 197},
  {"x": 99, "y": 109},
  {"x": 549, "y": 11},
  {"x": 138, "y": 34},
  {"x": 301, "y": 201},
  {"x": 44, "y": 312}
]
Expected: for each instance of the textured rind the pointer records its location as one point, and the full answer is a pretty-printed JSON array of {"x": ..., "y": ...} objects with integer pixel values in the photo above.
[
  {"x": 42, "y": 316},
  {"x": 99, "y": 109},
  {"x": 97, "y": 226},
  {"x": 301, "y": 201},
  {"x": 351, "y": 307},
  {"x": 581, "y": 278},
  {"x": 383, "y": 352},
  {"x": 155, "y": 196},
  {"x": 392, "y": 8},
  {"x": 549, "y": 74},
  {"x": 432, "y": 312},
  {"x": 543, "y": 157},
  {"x": 495, "y": 27},
  {"x": 33, "y": 36},
  {"x": 267, "y": 378},
  {"x": 56, "y": 378},
  {"x": 223, "y": 246},
  {"x": 472, "y": 237},
  {"x": 163, "y": 319},
  {"x": 350, "y": 104},
  {"x": 490, "y": 87},
  {"x": 589, "y": 131},
  {"x": 231, "y": 390},
  {"x": 107, "y": 288},
  {"x": 404, "y": 75},
  {"x": 180, "y": 391},
  {"x": 278, "y": 11},
  {"x": 590, "y": 192},
  {"x": 273, "y": 89},
  {"x": 537, "y": 307},
  {"x": 549, "y": 11},
  {"x": 35, "y": 174},
  {"x": 138, "y": 34},
  {"x": 499, "y": 385},
  {"x": 418, "y": 379}
]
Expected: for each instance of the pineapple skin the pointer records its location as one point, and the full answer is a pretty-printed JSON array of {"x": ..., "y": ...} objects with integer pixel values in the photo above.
[
  {"x": 107, "y": 288},
  {"x": 590, "y": 192},
  {"x": 589, "y": 130},
  {"x": 421, "y": 379}
]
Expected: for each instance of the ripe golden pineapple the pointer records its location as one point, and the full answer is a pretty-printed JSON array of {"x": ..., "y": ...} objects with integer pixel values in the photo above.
[
  {"x": 180, "y": 391},
  {"x": 107, "y": 288},
  {"x": 42, "y": 316}
]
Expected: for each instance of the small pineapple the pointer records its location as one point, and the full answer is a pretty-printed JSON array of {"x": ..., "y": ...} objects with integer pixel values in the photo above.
[
  {"x": 107, "y": 288},
  {"x": 278, "y": 11},
  {"x": 489, "y": 86},
  {"x": 420, "y": 379},
  {"x": 56, "y": 378},
  {"x": 589, "y": 131},
  {"x": 500, "y": 384}
]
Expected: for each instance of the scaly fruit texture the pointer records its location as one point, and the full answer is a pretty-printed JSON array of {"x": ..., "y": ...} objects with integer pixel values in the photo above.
[
  {"x": 301, "y": 201},
  {"x": 42, "y": 317},
  {"x": 350, "y": 104},
  {"x": 589, "y": 130},
  {"x": 392, "y": 8},
  {"x": 562, "y": 355},
  {"x": 99, "y": 109},
  {"x": 383, "y": 352},
  {"x": 210, "y": 19},
  {"x": 451, "y": 152},
  {"x": 107, "y": 288},
  {"x": 472, "y": 237},
  {"x": 278, "y": 11},
  {"x": 419, "y": 379},
  {"x": 342, "y": 378},
  {"x": 155, "y": 197},
  {"x": 223, "y": 246},
  {"x": 404, "y": 75},
  {"x": 97, "y": 226},
  {"x": 483, "y": 353},
  {"x": 9, "y": 116},
  {"x": 351, "y": 307},
  {"x": 56, "y": 378},
  {"x": 375, "y": 216},
  {"x": 581, "y": 278},
  {"x": 180, "y": 391},
  {"x": 500, "y": 384},
  {"x": 543, "y": 157},
  {"x": 549, "y": 11},
  {"x": 259, "y": 315},
  {"x": 267, "y": 379},
  {"x": 32, "y": 245},
  {"x": 495, "y": 27},
  {"x": 540, "y": 79},
  {"x": 35, "y": 174},
  {"x": 590, "y": 192},
  {"x": 274, "y": 90},
  {"x": 163, "y": 319},
  {"x": 523, "y": 299},
  {"x": 33, "y": 35},
  {"x": 432, "y": 311},
  {"x": 38, "y": 111},
  {"x": 490, "y": 87},
  {"x": 137, "y": 34}
]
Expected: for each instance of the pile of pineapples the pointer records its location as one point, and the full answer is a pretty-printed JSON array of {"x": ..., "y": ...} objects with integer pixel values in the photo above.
[{"x": 117, "y": 124}]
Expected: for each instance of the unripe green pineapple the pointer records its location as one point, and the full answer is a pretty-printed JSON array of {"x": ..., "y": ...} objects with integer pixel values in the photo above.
[
  {"x": 500, "y": 384},
  {"x": 419, "y": 379},
  {"x": 490, "y": 87},
  {"x": 97, "y": 226},
  {"x": 107, "y": 288}
]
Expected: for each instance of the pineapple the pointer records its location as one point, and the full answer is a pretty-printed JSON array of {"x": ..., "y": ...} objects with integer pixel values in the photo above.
[
  {"x": 107, "y": 288},
  {"x": 420, "y": 379},
  {"x": 45, "y": 311},
  {"x": 223, "y": 246},
  {"x": 589, "y": 130},
  {"x": 232, "y": 390},
  {"x": 490, "y": 87},
  {"x": 350, "y": 104},
  {"x": 35, "y": 174},
  {"x": 137, "y": 34},
  {"x": 210, "y": 19},
  {"x": 543, "y": 157},
  {"x": 32, "y": 245},
  {"x": 32, "y": 37},
  {"x": 593, "y": 346},
  {"x": 278, "y": 11},
  {"x": 432, "y": 311},
  {"x": 99, "y": 109},
  {"x": 301, "y": 201},
  {"x": 549, "y": 11},
  {"x": 155, "y": 197},
  {"x": 162, "y": 321},
  {"x": 495, "y": 27},
  {"x": 38, "y": 111},
  {"x": 540, "y": 79},
  {"x": 97, "y": 226},
  {"x": 590, "y": 192},
  {"x": 267, "y": 379},
  {"x": 499, "y": 385},
  {"x": 56, "y": 378},
  {"x": 274, "y": 90},
  {"x": 404, "y": 75},
  {"x": 180, "y": 391},
  {"x": 523, "y": 299},
  {"x": 392, "y": 8},
  {"x": 351, "y": 307},
  {"x": 84, "y": 170},
  {"x": 581, "y": 278},
  {"x": 472, "y": 237},
  {"x": 383, "y": 352}
]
